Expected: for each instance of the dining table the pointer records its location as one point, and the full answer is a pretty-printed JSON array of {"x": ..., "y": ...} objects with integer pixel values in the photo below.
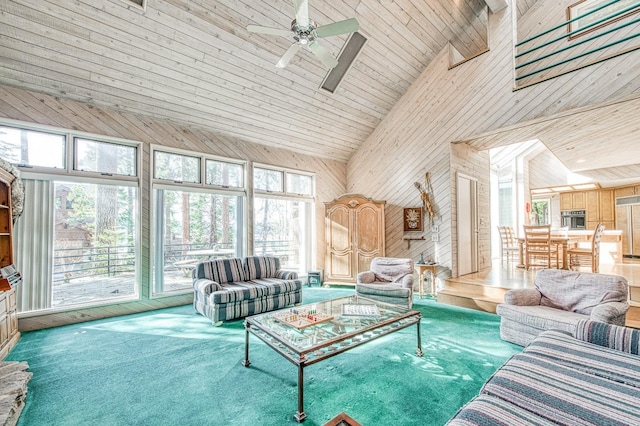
[{"x": 561, "y": 241}]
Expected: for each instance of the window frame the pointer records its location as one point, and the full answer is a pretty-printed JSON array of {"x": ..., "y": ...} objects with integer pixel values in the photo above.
[
  {"x": 203, "y": 163},
  {"x": 310, "y": 252},
  {"x": 201, "y": 187},
  {"x": 285, "y": 193},
  {"x": 70, "y": 152},
  {"x": 70, "y": 174}
]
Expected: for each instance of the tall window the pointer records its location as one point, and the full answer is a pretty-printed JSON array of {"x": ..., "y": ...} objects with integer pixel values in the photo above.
[
  {"x": 505, "y": 203},
  {"x": 283, "y": 216},
  {"x": 79, "y": 246},
  {"x": 199, "y": 214}
]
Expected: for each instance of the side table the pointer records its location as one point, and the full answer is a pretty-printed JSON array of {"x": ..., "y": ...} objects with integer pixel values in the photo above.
[{"x": 421, "y": 268}]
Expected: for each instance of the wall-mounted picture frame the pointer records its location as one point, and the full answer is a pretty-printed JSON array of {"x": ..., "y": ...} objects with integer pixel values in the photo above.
[
  {"x": 413, "y": 219},
  {"x": 584, "y": 6}
]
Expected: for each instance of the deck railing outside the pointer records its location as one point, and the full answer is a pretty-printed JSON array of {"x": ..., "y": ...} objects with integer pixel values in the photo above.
[{"x": 109, "y": 261}]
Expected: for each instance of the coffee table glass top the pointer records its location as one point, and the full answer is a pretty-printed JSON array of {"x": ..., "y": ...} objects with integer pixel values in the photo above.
[{"x": 303, "y": 328}]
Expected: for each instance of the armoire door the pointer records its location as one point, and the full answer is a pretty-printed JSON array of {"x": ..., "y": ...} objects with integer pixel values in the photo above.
[
  {"x": 355, "y": 235},
  {"x": 368, "y": 234},
  {"x": 339, "y": 265}
]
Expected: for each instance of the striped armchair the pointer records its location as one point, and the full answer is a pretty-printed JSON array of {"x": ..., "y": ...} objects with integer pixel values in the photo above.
[{"x": 226, "y": 289}]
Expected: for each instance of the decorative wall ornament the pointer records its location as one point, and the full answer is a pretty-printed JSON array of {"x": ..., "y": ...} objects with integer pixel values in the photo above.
[
  {"x": 425, "y": 189},
  {"x": 17, "y": 190},
  {"x": 413, "y": 220}
]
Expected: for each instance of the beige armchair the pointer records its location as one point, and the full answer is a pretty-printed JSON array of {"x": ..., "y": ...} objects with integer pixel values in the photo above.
[
  {"x": 559, "y": 300},
  {"x": 389, "y": 280}
]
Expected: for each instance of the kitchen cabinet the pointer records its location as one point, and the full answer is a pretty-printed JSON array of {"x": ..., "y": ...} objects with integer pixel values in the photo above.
[
  {"x": 600, "y": 208},
  {"x": 355, "y": 235},
  {"x": 627, "y": 191},
  {"x": 566, "y": 201},
  {"x": 572, "y": 200},
  {"x": 578, "y": 199}
]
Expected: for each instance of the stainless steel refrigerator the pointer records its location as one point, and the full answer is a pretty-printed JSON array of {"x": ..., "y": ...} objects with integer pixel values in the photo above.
[{"x": 628, "y": 220}]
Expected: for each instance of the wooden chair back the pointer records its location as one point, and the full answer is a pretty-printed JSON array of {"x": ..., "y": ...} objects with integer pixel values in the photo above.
[
  {"x": 508, "y": 243},
  {"x": 595, "y": 247},
  {"x": 537, "y": 240}
]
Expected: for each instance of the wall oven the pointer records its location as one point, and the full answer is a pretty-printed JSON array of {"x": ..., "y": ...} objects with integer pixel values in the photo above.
[{"x": 574, "y": 219}]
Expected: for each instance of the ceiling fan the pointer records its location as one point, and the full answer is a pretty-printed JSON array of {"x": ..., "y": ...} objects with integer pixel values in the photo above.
[{"x": 306, "y": 32}]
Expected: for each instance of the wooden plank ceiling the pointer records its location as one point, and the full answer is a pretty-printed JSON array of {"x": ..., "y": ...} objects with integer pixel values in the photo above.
[
  {"x": 194, "y": 62},
  {"x": 600, "y": 143}
]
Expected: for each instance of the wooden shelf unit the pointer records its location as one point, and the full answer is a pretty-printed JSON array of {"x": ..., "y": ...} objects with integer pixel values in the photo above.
[{"x": 9, "y": 334}]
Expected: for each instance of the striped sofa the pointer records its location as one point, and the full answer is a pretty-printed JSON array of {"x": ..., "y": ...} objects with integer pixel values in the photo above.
[
  {"x": 590, "y": 378},
  {"x": 226, "y": 289}
]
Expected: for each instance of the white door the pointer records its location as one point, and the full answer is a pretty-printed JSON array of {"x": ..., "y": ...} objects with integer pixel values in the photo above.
[{"x": 467, "y": 208}]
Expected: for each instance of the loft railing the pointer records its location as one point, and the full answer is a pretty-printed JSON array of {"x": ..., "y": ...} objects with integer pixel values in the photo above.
[{"x": 602, "y": 31}]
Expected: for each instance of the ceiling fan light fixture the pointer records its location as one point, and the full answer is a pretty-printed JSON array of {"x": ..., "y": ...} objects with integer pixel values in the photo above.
[{"x": 306, "y": 32}]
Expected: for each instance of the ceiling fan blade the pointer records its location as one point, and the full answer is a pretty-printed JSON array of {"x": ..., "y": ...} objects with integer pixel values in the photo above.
[
  {"x": 302, "y": 12},
  {"x": 290, "y": 53},
  {"x": 323, "y": 54},
  {"x": 337, "y": 28},
  {"x": 267, "y": 30}
]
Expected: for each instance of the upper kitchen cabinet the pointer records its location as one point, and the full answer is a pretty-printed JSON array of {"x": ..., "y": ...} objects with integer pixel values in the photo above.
[
  {"x": 572, "y": 201},
  {"x": 627, "y": 191}
]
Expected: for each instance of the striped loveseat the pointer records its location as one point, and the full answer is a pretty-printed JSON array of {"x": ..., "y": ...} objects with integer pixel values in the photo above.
[
  {"x": 226, "y": 289},
  {"x": 590, "y": 378}
]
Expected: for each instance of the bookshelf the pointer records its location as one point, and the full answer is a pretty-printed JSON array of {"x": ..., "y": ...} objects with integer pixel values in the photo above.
[{"x": 9, "y": 278}]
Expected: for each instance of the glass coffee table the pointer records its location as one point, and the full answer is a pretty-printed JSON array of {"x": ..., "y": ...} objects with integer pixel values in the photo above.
[{"x": 310, "y": 333}]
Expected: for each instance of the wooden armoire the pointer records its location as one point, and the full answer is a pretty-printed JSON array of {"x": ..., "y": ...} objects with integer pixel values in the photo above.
[{"x": 354, "y": 235}]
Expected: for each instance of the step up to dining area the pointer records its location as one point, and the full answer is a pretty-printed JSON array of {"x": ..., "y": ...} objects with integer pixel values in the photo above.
[{"x": 484, "y": 290}]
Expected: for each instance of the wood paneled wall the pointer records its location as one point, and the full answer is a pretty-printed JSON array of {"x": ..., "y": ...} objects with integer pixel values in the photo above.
[
  {"x": 444, "y": 106},
  {"x": 546, "y": 170},
  {"x": 37, "y": 108}
]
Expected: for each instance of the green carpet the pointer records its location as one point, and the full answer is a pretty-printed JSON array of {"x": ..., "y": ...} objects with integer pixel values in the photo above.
[{"x": 172, "y": 367}]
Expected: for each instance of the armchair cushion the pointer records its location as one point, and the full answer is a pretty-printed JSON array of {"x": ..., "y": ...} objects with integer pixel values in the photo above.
[
  {"x": 523, "y": 297},
  {"x": 579, "y": 292},
  {"x": 366, "y": 277},
  {"x": 612, "y": 313},
  {"x": 391, "y": 269}
]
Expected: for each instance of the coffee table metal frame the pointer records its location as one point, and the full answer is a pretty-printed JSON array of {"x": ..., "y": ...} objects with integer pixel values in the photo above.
[{"x": 394, "y": 318}]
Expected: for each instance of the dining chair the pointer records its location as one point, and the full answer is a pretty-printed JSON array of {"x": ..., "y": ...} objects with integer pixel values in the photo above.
[
  {"x": 508, "y": 244},
  {"x": 537, "y": 246},
  {"x": 591, "y": 255}
]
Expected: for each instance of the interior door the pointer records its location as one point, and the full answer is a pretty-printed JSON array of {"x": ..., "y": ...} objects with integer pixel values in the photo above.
[{"x": 467, "y": 220}]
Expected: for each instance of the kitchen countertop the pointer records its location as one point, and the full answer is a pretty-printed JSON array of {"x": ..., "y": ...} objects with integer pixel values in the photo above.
[{"x": 587, "y": 232}]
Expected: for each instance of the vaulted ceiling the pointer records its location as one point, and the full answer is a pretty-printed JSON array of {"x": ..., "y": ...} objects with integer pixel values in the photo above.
[{"x": 193, "y": 61}]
